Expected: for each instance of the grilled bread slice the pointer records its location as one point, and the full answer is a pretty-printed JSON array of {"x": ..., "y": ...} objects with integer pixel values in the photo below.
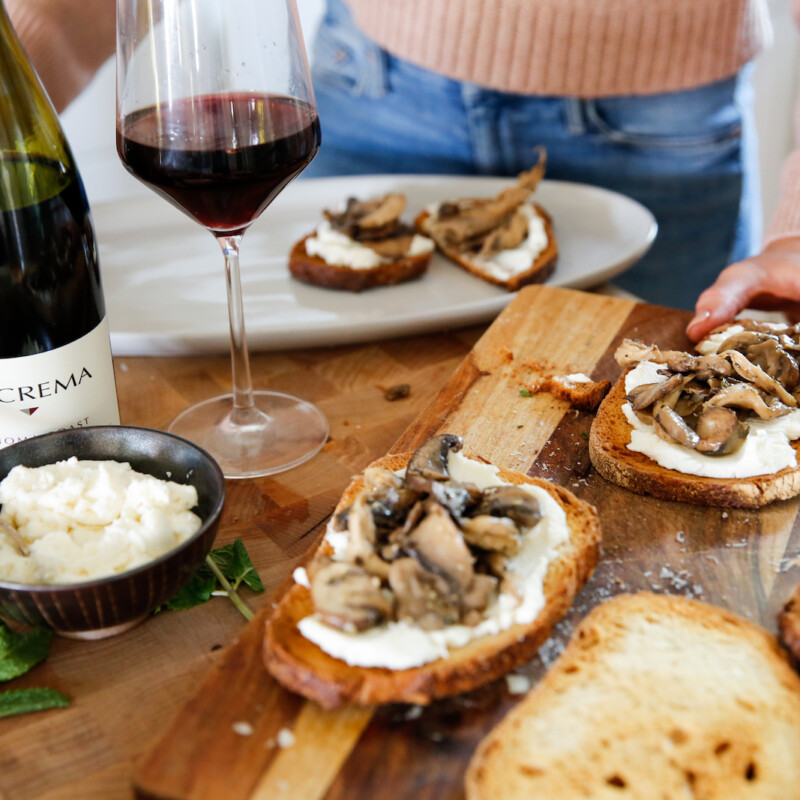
[
  {"x": 316, "y": 271},
  {"x": 654, "y": 697},
  {"x": 540, "y": 270},
  {"x": 303, "y": 667},
  {"x": 608, "y": 449}
]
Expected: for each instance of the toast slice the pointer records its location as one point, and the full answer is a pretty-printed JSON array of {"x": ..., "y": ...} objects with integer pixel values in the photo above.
[
  {"x": 610, "y": 435},
  {"x": 362, "y": 246},
  {"x": 316, "y": 271},
  {"x": 303, "y": 667},
  {"x": 540, "y": 270},
  {"x": 789, "y": 626},
  {"x": 718, "y": 428},
  {"x": 654, "y": 697}
]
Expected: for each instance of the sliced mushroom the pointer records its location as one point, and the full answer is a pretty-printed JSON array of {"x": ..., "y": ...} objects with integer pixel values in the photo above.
[
  {"x": 776, "y": 362},
  {"x": 498, "y": 534},
  {"x": 361, "y": 531},
  {"x": 720, "y": 431},
  {"x": 429, "y": 462},
  {"x": 389, "y": 209},
  {"x": 346, "y": 597},
  {"x": 756, "y": 375},
  {"x": 669, "y": 425},
  {"x": 483, "y": 216},
  {"x": 510, "y": 234},
  {"x": 439, "y": 545},
  {"x": 423, "y": 597},
  {"x": 477, "y": 598},
  {"x": 644, "y": 395},
  {"x": 743, "y": 339},
  {"x": 709, "y": 365},
  {"x": 457, "y": 498},
  {"x": 513, "y": 502},
  {"x": 743, "y": 395}
]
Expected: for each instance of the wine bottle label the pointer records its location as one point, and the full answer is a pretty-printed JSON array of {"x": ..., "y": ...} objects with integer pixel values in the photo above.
[{"x": 69, "y": 387}]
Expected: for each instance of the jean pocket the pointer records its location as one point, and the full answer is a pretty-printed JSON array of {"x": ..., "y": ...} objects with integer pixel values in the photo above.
[
  {"x": 344, "y": 59},
  {"x": 693, "y": 121}
]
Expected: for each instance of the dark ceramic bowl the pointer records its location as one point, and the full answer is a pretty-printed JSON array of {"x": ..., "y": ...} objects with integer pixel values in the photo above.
[{"x": 107, "y": 606}]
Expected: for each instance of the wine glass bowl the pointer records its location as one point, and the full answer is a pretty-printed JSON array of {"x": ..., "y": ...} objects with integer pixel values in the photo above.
[{"x": 216, "y": 113}]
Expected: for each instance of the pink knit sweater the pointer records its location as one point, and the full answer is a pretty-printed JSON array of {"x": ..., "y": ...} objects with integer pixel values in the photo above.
[{"x": 585, "y": 48}]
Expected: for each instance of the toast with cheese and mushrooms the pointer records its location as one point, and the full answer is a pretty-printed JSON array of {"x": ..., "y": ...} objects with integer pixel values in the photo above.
[
  {"x": 720, "y": 427},
  {"x": 507, "y": 240},
  {"x": 438, "y": 573},
  {"x": 364, "y": 246},
  {"x": 654, "y": 697}
]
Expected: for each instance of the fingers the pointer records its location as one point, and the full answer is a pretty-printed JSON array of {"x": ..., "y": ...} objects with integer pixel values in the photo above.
[{"x": 726, "y": 297}]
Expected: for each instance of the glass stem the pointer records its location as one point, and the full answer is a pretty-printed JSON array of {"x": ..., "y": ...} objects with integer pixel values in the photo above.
[{"x": 243, "y": 404}]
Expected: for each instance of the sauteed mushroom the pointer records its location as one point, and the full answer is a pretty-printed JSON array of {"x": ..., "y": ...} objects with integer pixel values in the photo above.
[
  {"x": 429, "y": 462},
  {"x": 513, "y": 502},
  {"x": 720, "y": 431}
]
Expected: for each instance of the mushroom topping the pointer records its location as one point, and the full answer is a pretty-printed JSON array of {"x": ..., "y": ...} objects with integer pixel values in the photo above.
[
  {"x": 346, "y": 597},
  {"x": 743, "y": 339},
  {"x": 422, "y": 596},
  {"x": 513, "y": 502},
  {"x": 386, "y": 210},
  {"x": 429, "y": 462},
  {"x": 440, "y": 547},
  {"x": 720, "y": 431},
  {"x": 757, "y": 376},
  {"x": 706, "y": 366},
  {"x": 743, "y": 395},
  {"x": 669, "y": 425},
  {"x": 478, "y": 218},
  {"x": 491, "y": 533},
  {"x": 646, "y": 394},
  {"x": 776, "y": 362},
  {"x": 510, "y": 234}
]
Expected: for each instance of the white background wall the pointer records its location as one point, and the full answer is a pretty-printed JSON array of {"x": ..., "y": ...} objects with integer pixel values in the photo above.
[{"x": 89, "y": 121}]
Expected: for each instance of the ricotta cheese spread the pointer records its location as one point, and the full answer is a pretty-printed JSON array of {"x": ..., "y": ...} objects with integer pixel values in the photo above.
[
  {"x": 766, "y": 449},
  {"x": 84, "y": 520},
  {"x": 336, "y": 248},
  {"x": 577, "y": 377},
  {"x": 401, "y": 645}
]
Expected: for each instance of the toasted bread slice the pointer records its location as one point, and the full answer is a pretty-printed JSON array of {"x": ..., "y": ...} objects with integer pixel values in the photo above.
[
  {"x": 318, "y": 272},
  {"x": 541, "y": 269},
  {"x": 654, "y": 697},
  {"x": 303, "y": 667},
  {"x": 608, "y": 448}
]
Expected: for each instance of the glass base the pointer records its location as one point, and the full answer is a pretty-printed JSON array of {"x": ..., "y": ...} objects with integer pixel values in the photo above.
[{"x": 279, "y": 433}]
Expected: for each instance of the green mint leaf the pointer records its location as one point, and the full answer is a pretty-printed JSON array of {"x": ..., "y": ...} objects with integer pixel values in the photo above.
[
  {"x": 525, "y": 393},
  {"x": 233, "y": 562},
  {"x": 19, "y": 652},
  {"x": 24, "y": 701},
  {"x": 584, "y": 435},
  {"x": 195, "y": 593},
  {"x": 243, "y": 569}
]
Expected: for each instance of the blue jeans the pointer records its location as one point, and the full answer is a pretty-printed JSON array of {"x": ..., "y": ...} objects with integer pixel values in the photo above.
[{"x": 689, "y": 156}]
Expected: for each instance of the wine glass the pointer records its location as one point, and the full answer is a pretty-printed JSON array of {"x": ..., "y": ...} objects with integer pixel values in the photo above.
[{"x": 216, "y": 113}]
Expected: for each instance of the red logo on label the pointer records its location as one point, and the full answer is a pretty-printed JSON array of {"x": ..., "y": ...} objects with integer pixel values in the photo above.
[{"x": 30, "y": 411}]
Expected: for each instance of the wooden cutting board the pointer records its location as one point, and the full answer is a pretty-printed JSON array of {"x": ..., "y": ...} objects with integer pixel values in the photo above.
[{"x": 227, "y": 741}]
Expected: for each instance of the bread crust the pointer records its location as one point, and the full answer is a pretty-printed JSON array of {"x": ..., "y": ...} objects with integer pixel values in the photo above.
[
  {"x": 623, "y": 708},
  {"x": 304, "y": 668},
  {"x": 611, "y": 433},
  {"x": 318, "y": 272},
  {"x": 542, "y": 268}
]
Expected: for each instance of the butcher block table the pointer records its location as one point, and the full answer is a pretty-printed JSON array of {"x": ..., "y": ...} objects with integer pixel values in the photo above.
[{"x": 181, "y": 708}]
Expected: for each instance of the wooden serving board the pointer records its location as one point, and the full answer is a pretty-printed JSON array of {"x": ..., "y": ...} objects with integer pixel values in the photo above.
[{"x": 226, "y": 741}]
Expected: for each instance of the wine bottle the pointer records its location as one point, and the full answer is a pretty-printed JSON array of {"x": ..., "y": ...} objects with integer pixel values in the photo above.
[{"x": 55, "y": 356}]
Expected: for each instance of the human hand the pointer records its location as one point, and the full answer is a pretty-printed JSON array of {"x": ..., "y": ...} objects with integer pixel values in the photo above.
[{"x": 769, "y": 281}]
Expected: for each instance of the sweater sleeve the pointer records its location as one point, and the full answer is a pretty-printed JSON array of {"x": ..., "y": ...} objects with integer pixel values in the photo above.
[
  {"x": 66, "y": 40},
  {"x": 786, "y": 220}
]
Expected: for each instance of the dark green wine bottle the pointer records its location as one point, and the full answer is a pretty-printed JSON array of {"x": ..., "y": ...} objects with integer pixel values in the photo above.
[{"x": 55, "y": 358}]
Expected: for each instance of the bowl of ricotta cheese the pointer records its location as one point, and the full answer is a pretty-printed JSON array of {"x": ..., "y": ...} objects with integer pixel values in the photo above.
[{"x": 102, "y": 525}]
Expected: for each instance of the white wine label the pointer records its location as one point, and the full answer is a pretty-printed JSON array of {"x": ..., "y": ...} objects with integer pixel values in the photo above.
[{"x": 69, "y": 387}]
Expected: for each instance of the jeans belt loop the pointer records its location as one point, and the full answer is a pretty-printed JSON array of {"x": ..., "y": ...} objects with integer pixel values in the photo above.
[{"x": 576, "y": 119}]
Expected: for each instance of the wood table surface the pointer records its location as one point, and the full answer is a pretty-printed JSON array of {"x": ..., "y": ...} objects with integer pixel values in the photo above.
[
  {"x": 125, "y": 689},
  {"x": 159, "y": 705}
]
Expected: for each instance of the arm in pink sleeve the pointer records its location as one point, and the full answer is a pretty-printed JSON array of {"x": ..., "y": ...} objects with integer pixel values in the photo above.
[{"x": 67, "y": 41}]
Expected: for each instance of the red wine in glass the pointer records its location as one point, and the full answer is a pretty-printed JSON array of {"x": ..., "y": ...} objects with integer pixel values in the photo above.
[{"x": 183, "y": 151}]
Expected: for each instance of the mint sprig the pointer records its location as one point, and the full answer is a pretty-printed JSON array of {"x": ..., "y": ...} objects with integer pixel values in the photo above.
[{"x": 25, "y": 701}]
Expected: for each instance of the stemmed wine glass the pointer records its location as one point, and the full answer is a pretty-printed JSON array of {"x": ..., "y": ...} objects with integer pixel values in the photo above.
[{"x": 216, "y": 113}]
